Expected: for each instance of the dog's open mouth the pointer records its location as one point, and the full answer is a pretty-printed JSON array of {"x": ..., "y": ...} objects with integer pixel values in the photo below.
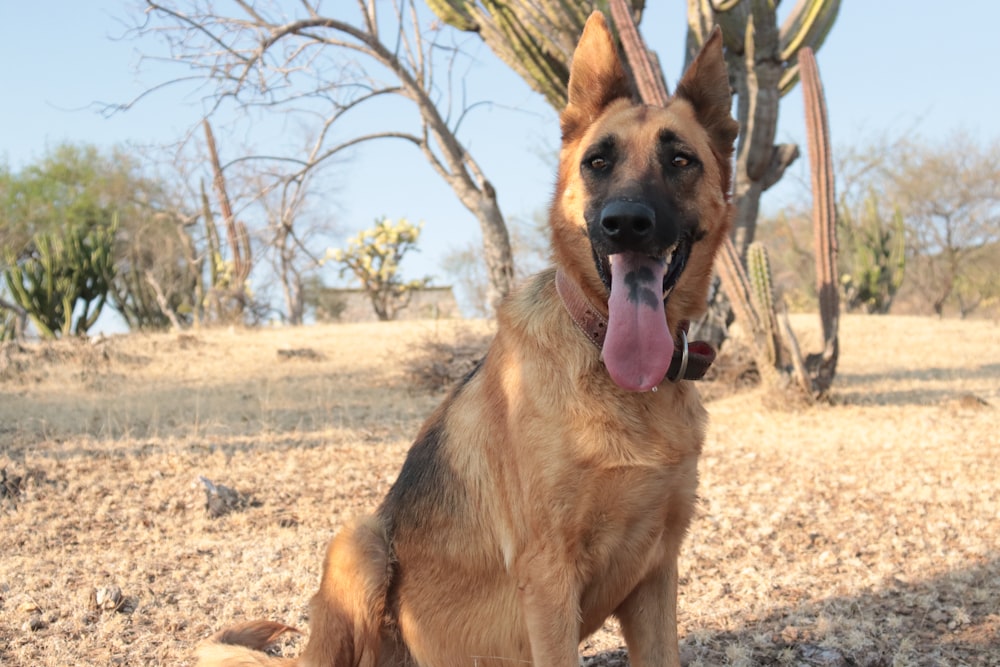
[{"x": 639, "y": 346}]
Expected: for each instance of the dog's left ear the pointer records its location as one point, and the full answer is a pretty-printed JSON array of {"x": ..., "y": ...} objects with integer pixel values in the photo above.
[
  {"x": 596, "y": 78},
  {"x": 705, "y": 85}
]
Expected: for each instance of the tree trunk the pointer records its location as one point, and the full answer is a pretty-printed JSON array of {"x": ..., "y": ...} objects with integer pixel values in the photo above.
[
  {"x": 497, "y": 252},
  {"x": 289, "y": 276}
]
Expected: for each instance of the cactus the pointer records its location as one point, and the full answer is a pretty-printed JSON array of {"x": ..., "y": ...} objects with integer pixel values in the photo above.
[
  {"x": 535, "y": 38},
  {"x": 68, "y": 272},
  {"x": 215, "y": 261},
  {"x": 227, "y": 277},
  {"x": 762, "y": 292},
  {"x": 878, "y": 257},
  {"x": 373, "y": 257},
  {"x": 821, "y": 367},
  {"x": 763, "y": 60},
  {"x": 752, "y": 25}
]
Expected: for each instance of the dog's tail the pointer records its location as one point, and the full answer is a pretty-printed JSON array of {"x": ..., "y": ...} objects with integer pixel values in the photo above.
[
  {"x": 242, "y": 646},
  {"x": 346, "y": 620}
]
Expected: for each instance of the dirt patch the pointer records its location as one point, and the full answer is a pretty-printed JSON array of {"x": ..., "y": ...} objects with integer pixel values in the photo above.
[{"x": 860, "y": 532}]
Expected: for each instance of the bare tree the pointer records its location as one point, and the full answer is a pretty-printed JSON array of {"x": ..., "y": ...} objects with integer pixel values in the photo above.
[
  {"x": 323, "y": 67},
  {"x": 284, "y": 202},
  {"x": 950, "y": 200}
]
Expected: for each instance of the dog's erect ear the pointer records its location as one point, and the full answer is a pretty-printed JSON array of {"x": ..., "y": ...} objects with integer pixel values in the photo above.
[
  {"x": 705, "y": 85},
  {"x": 596, "y": 78}
]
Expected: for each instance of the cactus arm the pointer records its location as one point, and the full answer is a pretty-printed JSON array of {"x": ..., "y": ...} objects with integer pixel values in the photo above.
[
  {"x": 648, "y": 77},
  {"x": 733, "y": 19},
  {"x": 807, "y": 26},
  {"x": 239, "y": 242},
  {"x": 736, "y": 283},
  {"x": 212, "y": 239},
  {"x": 700, "y": 22},
  {"x": 36, "y": 287},
  {"x": 763, "y": 70},
  {"x": 15, "y": 276},
  {"x": 824, "y": 207},
  {"x": 725, "y": 5},
  {"x": 455, "y": 13},
  {"x": 101, "y": 256}
]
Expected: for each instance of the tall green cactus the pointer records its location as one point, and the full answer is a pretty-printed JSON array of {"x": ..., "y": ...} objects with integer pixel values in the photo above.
[
  {"x": 37, "y": 287},
  {"x": 535, "y": 38},
  {"x": 68, "y": 272},
  {"x": 876, "y": 249},
  {"x": 762, "y": 292}
]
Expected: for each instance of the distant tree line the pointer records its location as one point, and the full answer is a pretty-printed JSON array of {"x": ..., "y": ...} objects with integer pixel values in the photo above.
[
  {"x": 81, "y": 230},
  {"x": 84, "y": 232}
]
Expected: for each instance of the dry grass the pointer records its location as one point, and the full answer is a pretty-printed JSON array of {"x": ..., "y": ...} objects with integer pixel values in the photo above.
[{"x": 864, "y": 532}]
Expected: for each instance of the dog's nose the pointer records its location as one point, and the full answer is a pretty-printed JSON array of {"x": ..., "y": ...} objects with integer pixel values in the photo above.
[{"x": 628, "y": 224}]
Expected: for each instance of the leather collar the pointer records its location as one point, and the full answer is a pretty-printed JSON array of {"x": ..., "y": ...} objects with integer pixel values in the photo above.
[{"x": 690, "y": 361}]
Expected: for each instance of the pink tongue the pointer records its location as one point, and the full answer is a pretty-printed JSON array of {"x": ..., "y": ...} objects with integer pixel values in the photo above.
[{"x": 638, "y": 346}]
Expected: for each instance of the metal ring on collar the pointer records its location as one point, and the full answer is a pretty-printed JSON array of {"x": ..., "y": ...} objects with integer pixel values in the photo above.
[{"x": 684, "y": 357}]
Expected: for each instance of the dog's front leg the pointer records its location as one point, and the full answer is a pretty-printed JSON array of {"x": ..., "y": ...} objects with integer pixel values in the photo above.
[
  {"x": 649, "y": 618},
  {"x": 551, "y": 608}
]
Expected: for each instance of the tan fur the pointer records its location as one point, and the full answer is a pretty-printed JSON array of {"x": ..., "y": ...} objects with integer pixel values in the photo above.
[{"x": 540, "y": 498}]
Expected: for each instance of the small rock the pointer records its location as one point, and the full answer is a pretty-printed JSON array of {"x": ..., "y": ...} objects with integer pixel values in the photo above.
[
  {"x": 220, "y": 499},
  {"x": 823, "y": 657},
  {"x": 301, "y": 353},
  {"x": 29, "y": 607},
  {"x": 107, "y": 598},
  {"x": 35, "y": 623}
]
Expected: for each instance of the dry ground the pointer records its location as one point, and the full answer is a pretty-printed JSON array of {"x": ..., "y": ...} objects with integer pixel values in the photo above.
[{"x": 862, "y": 532}]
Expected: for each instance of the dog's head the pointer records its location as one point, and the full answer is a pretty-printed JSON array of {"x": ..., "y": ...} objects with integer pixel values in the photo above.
[{"x": 641, "y": 203}]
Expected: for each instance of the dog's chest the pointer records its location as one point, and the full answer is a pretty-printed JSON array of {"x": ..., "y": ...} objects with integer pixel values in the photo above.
[
  {"x": 628, "y": 508},
  {"x": 632, "y": 525}
]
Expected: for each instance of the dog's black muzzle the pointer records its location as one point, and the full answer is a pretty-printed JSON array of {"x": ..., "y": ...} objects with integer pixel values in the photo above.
[
  {"x": 628, "y": 225},
  {"x": 631, "y": 225}
]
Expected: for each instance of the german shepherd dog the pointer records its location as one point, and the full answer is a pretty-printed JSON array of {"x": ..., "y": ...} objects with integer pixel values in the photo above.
[{"x": 554, "y": 485}]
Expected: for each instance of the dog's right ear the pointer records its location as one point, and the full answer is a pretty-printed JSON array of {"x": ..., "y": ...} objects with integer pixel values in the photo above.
[{"x": 596, "y": 78}]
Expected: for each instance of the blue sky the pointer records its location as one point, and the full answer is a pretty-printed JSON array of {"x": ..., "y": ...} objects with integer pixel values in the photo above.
[{"x": 924, "y": 67}]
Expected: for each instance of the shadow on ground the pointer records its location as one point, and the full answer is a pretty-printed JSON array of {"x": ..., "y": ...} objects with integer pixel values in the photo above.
[{"x": 952, "y": 619}]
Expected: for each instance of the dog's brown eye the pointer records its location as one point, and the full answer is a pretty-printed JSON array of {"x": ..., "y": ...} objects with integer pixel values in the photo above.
[
  {"x": 680, "y": 161},
  {"x": 598, "y": 163}
]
